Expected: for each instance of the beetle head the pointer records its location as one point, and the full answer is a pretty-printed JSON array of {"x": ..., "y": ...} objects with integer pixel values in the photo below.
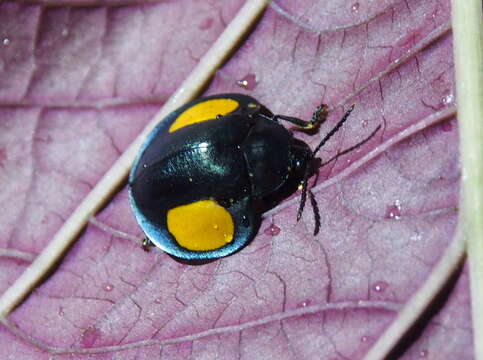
[{"x": 303, "y": 164}]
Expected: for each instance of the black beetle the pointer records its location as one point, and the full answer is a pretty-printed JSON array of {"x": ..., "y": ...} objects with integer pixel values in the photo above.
[{"x": 209, "y": 170}]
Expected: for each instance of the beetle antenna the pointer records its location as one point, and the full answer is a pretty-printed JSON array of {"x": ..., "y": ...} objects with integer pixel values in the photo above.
[
  {"x": 315, "y": 209},
  {"x": 352, "y": 147},
  {"x": 303, "y": 187},
  {"x": 334, "y": 129}
]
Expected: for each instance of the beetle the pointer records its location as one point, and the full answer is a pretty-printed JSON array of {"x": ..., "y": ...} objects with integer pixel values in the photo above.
[{"x": 208, "y": 171}]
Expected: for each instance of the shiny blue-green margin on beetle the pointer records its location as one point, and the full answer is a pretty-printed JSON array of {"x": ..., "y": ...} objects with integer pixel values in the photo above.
[{"x": 208, "y": 171}]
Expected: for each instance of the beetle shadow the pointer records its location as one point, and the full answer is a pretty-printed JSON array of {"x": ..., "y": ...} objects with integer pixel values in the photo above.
[
  {"x": 286, "y": 190},
  {"x": 272, "y": 200},
  {"x": 196, "y": 262}
]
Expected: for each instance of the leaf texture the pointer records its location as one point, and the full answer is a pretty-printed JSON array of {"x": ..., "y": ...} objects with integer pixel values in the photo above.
[{"x": 78, "y": 83}]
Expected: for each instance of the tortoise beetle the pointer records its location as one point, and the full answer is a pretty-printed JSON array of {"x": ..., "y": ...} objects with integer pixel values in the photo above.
[{"x": 208, "y": 171}]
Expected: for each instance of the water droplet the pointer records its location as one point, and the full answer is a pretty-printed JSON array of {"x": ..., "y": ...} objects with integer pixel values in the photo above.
[
  {"x": 365, "y": 123},
  {"x": 416, "y": 237},
  {"x": 394, "y": 211},
  {"x": 158, "y": 301},
  {"x": 61, "y": 311},
  {"x": 423, "y": 353},
  {"x": 64, "y": 32},
  {"x": 249, "y": 82},
  {"x": 6, "y": 41},
  {"x": 215, "y": 226},
  {"x": 448, "y": 99},
  {"x": 304, "y": 303},
  {"x": 108, "y": 287},
  {"x": 90, "y": 336},
  {"x": 380, "y": 286},
  {"x": 205, "y": 24},
  {"x": 355, "y": 7},
  {"x": 272, "y": 230},
  {"x": 447, "y": 126},
  {"x": 364, "y": 339},
  {"x": 228, "y": 237}
]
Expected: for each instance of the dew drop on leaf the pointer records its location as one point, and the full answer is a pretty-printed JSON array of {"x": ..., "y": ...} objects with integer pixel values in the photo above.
[
  {"x": 380, "y": 286},
  {"x": 249, "y": 82},
  {"x": 6, "y": 41},
  {"x": 448, "y": 99},
  {"x": 355, "y": 7},
  {"x": 416, "y": 236},
  {"x": 272, "y": 230},
  {"x": 108, "y": 287},
  {"x": 364, "y": 339},
  {"x": 394, "y": 211},
  {"x": 304, "y": 303}
]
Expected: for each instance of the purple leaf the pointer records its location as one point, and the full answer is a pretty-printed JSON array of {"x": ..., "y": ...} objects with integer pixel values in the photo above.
[{"x": 77, "y": 84}]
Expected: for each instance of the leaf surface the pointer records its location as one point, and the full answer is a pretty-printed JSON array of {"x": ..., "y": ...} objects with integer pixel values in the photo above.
[{"x": 78, "y": 84}]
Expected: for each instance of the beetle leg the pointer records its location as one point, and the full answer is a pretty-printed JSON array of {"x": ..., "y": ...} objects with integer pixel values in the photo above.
[
  {"x": 320, "y": 114},
  {"x": 318, "y": 117},
  {"x": 146, "y": 244}
]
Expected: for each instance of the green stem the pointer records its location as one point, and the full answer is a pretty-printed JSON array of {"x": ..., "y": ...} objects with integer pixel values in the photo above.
[{"x": 468, "y": 53}]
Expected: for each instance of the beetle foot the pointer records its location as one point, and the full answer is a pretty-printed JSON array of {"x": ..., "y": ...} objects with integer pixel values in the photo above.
[
  {"x": 320, "y": 115},
  {"x": 146, "y": 244}
]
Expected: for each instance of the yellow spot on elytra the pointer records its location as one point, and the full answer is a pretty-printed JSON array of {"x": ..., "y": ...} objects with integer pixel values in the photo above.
[
  {"x": 204, "y": 111},
  {"x": 201, "y": 226}
]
